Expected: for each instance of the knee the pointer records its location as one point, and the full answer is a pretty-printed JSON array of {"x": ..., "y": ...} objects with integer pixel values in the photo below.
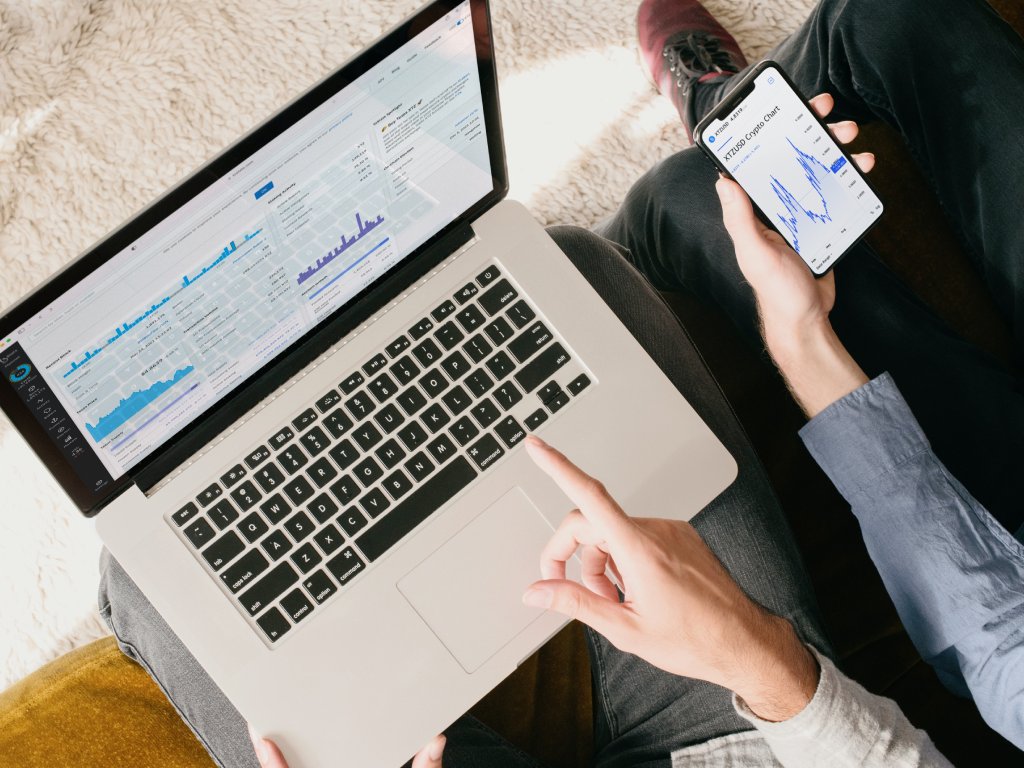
[
  {"x": 680, "y": 183},
  {"x": 880, "y": 24}
]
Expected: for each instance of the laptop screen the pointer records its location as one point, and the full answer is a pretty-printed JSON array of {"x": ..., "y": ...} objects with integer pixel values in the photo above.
[{"x": 198, "y": 304}]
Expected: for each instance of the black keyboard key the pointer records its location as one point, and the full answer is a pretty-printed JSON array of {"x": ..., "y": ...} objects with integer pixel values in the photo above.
[
  {"x": 464, "y": 430},
  {"x": 499, "y": 331},
  {"x": 529, "y": 341},
  {"x": 321, "y": 472},
  {"x": 200, "y": 533},
  {"x": 374, "y": 503},
  {"x": 232, "y": 476},
  {"x": 421, "y": 328},
  {"x": 558, "y": 402},
  {"x": 396, "y": 347},
  {"x": 207, "y": 496},
  {"x": 277, "y": 545},
  {"x": 578, "y": 384},
  {"x": 337, "y": 423},
  {"x": 346, "y": 566},
  {"x": 315, "y": 441},
  {"x": 413, "y": 435},
  {"x": 435, "y": 417},
  {"x": 390, "y": 454},
  {"x": 306, "y": 558},
  {"x": 368, "y": 471},
  {"x": 304, "y": 419},
  {"x": 352, "y": 383},
  {"x": 416, "y": 508},
  {"x": 478, "y": 348},
  {"x": 223, "y": 514},
  {"x": 345, "y": 490},
  {"x": 465, "y": 293},
  {"x": 298, "y": 490},
  {"x": 455, "y": 365},
  {"x": 274, "y": 624},
  {"x": 419, "y": 466},
  {"x": 456, "y": 400},
  {"x": 299, "y": 526},
  {"x": 253, "y": 526},
  {"x": 246, "y": 495},
  {"x": 535, "y": 419},
  {"x": 248, "y": 567},
  {"x": 367, "y": 436},
  {"x": 275, "y": 508},
  {"x": 548, "y": 391},
  {"x": 397, "y": 484},
  {"x": 319, "y": 586},
  {"x": 328, "y": 401},
  {"x": 478, "y": 382},
  {"x": 405, "y": 370},
  {"x": 389, "y": 418},
  {"x": 411, "y": 400},
  {"x": 507, "y": 395},
  {"x": 382, "y": 387},
  {"x": 520, "y": 314},
  {"x": 433, "y": 383},
  {"x": 485, "y": 412},
  {"x": 427, "y": 353},
  {"x": 374, "y": 364},
  {"x": 269, "y": 477},
  {"x": 296, "y": 605},
  {"x": 352, "y": 521},
  {"x": 224, "y": 550},
  {"x": 281, "y": 438},
  {"x": 442, "y": 449},
  {"x": 488, "y": 276},
  {"x": 542, "y": 367},
  {"x": 443, "y": 311},
  {"x": 470, "y": 318},
  {"x": 185, "y": 514},
  {"x": 322, "y": 508},
  {"x": 498, "y": 296},
  {"x": 360, "y": 405},
  {"x": 292, "y": 459},
  {"x": 486, "y": 451},
  {"x": 328, "y": 538},
  {"x": 500, "y": 366},
  {"x": 344, "y": 454},
  {"x": 269, "y": 588},
  {"x": 449, "y": 335},
  {"x": 510, "y": 431}
]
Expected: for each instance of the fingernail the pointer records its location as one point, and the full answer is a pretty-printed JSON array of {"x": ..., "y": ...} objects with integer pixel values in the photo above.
[
  {"x": 535, "y": 441},
  {"x": 437, "y": 748},
  {"x": 725, "y": 191},
  {"x": 257, "y": 743},
  {"x": 537, "y": 597}
]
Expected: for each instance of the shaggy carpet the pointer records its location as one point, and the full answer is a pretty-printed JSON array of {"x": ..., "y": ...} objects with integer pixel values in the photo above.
[{"x": 105, "y": 103}]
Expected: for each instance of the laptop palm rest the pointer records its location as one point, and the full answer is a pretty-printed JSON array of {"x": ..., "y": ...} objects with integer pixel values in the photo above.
[{"x": 469, "y": 591}]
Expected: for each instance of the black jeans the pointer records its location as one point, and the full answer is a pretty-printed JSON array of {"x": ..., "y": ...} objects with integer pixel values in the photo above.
[{"x": 949, "y": 76}]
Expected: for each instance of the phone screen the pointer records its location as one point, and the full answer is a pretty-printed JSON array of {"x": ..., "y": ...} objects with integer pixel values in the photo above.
[{"x": 792, "y": 168}]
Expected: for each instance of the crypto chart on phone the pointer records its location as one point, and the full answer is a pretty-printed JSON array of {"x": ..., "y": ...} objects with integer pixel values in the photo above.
[
  {"x": 791, "y": 167},
  {"x": 202, "y": 301}
]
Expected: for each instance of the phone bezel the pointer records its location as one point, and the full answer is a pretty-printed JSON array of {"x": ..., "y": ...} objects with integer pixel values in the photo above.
[{"x": 724, "y": 107}]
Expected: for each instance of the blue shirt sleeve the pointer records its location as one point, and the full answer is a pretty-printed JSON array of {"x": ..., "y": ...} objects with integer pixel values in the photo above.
[{"x": 954, "y": 573}]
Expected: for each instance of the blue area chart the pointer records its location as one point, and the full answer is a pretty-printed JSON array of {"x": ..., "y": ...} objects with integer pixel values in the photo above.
[
  {"x": 133, "y": 404},
  {"x": 796, "y": 213},
  {"x": 363, "y": 228}
]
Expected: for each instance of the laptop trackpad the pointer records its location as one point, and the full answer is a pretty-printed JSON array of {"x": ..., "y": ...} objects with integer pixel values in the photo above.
[{"x": 470, "y": 590}]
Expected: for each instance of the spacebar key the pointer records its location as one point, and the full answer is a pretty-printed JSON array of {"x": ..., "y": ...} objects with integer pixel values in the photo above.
[{"x": 427, "y": 499}]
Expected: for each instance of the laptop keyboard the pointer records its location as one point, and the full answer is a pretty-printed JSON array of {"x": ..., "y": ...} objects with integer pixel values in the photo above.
[{"x": 302, "y": 515}]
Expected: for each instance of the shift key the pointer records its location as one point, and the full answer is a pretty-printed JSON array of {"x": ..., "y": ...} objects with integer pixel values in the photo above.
[
  {"x": 269, "y": 588},
  {"x": 542, "y": 368}
]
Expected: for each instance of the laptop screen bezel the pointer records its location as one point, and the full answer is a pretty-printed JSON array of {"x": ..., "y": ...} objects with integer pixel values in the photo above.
[{"x": 184, "y": 444}]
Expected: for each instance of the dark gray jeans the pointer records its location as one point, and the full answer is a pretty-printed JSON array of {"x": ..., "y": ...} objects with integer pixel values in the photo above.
[{"x": 641, "y": 713}]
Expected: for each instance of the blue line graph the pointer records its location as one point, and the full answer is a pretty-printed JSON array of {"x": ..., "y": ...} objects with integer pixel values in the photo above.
[
  {"x": 133, "y": 404},
  {"x": 796, "y": 213},
  {"x": 186, "y": 281},
  {"x": 362, "y": 229}
]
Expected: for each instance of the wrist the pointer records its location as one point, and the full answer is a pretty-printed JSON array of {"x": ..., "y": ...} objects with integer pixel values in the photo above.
[{"x": 781, "y": 675}]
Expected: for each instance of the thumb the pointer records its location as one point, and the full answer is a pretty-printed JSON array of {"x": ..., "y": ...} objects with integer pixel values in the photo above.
[
  {"x": 577, "y": 602},
  {"x": 430, "y": 755},
  {"x": 738, "y": 215},
  {"x": 267, "y": 753}
]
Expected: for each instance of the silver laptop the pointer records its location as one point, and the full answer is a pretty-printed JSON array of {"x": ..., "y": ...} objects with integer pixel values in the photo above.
[{"x": 293, "y": 390}]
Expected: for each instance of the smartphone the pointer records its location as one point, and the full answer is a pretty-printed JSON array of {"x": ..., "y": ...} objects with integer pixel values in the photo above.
[{"x": 766, "y": 137}]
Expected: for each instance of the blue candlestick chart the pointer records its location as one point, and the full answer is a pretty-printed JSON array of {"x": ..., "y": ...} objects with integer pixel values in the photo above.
[
  {"x": 133, "y": 404},
  {"x": 796, "y": 213},
  {"x": 363, "y": 228}
]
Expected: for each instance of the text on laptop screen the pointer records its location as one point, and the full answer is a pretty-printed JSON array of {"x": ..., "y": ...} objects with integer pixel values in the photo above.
[{"x": 136, "y": 351}]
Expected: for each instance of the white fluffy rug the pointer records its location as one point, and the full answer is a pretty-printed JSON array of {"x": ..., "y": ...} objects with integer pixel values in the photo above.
[{"x": 105, "y": 103}]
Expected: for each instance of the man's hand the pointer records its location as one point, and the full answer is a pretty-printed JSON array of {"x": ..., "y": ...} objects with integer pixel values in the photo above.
[
  {"x": 270, "y": 756},
  {"x": 793, "y": 304},
  {"x": 681, "y": 610}
]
